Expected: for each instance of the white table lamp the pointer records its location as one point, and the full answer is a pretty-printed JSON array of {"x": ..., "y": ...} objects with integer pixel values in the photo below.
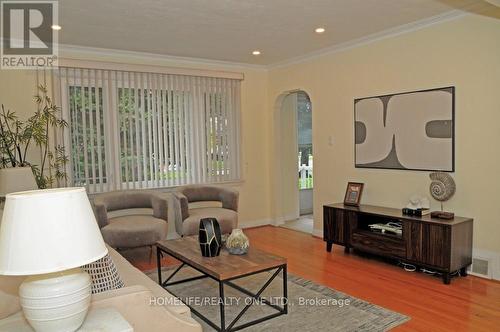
[{"x": 48, "y": 235}]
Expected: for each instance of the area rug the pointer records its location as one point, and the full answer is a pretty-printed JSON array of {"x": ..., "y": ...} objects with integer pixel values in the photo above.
[{"x": 312, "y": 307}]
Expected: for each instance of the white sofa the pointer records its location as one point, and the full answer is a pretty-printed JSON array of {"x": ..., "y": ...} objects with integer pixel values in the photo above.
[{"x": 133, "y": 301}]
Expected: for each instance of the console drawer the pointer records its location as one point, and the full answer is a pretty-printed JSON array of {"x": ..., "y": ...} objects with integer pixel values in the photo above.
[{"x": 378, "y": 244}]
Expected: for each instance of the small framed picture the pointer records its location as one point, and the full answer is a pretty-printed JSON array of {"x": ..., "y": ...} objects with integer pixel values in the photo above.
[{"x": 353, "y": 193}]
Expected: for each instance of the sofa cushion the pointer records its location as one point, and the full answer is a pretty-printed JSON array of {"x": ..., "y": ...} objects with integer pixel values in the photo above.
[
  {"x": 228, "y": 219},
  {"x": 134, "y": 231},
  {"x": 132, "y": 276},
  {"x": 104, "y": 275},
  {"x": 9, "y": 290},
  {"x": 137, "y": 305}
]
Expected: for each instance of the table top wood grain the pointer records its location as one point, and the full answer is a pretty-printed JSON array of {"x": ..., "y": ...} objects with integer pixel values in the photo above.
[{"x": 223, "y": 267}]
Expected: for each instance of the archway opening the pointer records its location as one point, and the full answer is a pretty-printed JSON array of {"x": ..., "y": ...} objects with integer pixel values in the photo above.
[{"x": 294, "y": 159}]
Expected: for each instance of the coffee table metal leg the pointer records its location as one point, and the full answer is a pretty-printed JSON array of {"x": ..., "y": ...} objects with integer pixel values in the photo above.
[
  {"x": 158, "y": 263},
  {"x": 256, "y": 296},
  {"x": 285, "y": 291},
  {"x": 221, "y": 306}
]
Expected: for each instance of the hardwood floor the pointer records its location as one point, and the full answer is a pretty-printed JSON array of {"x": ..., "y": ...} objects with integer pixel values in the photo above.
[{"x": 468, "y": 304}]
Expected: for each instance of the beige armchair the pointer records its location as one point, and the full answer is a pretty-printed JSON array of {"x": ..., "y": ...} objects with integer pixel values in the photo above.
[
  {"x": 223, "y": 207},
  {"x": 137, "y": 227}
]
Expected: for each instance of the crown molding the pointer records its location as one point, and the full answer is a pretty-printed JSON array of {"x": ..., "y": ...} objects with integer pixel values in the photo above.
[
  {"x": 76, "y": 51},
  {"x": 384, "y": 34}
]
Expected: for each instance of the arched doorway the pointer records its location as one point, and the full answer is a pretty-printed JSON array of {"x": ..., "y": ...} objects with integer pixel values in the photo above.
[{"x": 294, "y": 161}]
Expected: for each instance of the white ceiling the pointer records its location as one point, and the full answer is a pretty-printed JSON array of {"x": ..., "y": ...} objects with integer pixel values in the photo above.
[{"x": 229, "y": 30}]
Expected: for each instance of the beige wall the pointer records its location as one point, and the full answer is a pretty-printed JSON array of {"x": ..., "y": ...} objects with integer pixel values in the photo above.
[
  {"x": 464, "y": 53},
  {"x": 288, "y": 151},
  {"x": 17, "y": 88}
]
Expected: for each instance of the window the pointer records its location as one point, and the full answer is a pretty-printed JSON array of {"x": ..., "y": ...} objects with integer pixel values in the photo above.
[
  {"x": 87, "y": 136},
  {"x": 144, "y": 130}
]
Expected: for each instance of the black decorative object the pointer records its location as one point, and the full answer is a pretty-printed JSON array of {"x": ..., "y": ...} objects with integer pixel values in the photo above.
[{"x": 210, "y": 237}]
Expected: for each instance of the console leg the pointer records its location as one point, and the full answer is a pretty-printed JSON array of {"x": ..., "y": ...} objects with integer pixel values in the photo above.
[
  {"x": 329, "y": 246},
  {"x": 347, "y": 250},
  {"x": 446, "y": 278},
  {"x": 463, "y": 272}
]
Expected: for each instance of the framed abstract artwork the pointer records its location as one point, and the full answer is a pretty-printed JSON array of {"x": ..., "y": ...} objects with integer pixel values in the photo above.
[{"x": 406, "y": 131}]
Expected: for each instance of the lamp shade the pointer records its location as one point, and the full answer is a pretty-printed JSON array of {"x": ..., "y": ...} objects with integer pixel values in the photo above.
[
  {"x": 46, "y": 231},
  {"x": 16, "y": 179}
]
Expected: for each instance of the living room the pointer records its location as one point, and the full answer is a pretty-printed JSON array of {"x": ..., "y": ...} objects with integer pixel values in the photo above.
[{"x": 152, "y": 98}]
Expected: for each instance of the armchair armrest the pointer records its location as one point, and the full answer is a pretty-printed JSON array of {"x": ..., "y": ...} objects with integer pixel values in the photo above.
[
  {"x": 180, "y": 205},
  {"x": 199, "y": 193},
  {"x": 159, "y": 203},
  {"x": 101, "y": 213},
  {"x": 229, "y": 198},
  {"x": 129, "y": 199}
]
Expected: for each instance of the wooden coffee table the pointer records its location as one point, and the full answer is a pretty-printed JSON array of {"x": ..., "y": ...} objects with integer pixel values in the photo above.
[{"x": 224, "y": 269}]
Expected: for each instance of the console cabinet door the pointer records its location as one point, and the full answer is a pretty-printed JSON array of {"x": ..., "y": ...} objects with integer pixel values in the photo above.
[
  {"x": 351, "y": 223},
  {"x": 436, "y": 245},
  {"x": 334, "y": 225},
  {"x": 413, "y": 233},
  {"x": 428, "y": 244}
]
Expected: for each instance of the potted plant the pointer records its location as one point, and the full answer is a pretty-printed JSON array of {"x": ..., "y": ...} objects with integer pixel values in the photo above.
[{"x": 16, "y": 138}]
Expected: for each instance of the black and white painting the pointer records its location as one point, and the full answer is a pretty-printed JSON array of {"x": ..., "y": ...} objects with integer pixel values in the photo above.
[{"x": 411, "y": 130}]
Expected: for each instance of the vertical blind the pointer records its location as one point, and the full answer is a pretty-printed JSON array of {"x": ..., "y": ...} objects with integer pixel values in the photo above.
[{"x": 131, "y": 130}]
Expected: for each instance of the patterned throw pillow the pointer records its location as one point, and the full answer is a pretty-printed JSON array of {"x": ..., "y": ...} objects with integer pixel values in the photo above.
[{"x": 104, "y": 275}]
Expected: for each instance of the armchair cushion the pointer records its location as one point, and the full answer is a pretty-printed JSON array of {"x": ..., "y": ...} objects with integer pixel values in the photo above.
[
  {"x": 228, "y": 219},
  {"x": 134, "y": 231}
]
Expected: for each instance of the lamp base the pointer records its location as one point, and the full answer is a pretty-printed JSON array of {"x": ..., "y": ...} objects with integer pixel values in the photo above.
[{"x": 56, "y": 301}]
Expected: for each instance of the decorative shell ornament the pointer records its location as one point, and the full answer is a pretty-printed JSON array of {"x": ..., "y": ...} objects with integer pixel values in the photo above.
[{"x": 442, "y": 186}]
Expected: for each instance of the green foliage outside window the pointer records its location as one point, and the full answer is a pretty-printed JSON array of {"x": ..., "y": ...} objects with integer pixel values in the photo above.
[{"x": 136, "y": 123}]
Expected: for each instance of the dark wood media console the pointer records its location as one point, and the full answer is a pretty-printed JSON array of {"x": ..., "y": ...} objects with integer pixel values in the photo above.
[{"x": 441, "y": 245}]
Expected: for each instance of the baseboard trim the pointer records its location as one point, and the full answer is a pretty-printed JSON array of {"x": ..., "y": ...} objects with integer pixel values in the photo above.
[
  {"x": 281, "y": 220},
  {"x": 317, "y": 233},
  {"x": 255, "y": 223}
]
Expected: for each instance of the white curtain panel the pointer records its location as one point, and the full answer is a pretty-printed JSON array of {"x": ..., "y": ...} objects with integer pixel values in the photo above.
[{"x": 132, "y": 130}]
